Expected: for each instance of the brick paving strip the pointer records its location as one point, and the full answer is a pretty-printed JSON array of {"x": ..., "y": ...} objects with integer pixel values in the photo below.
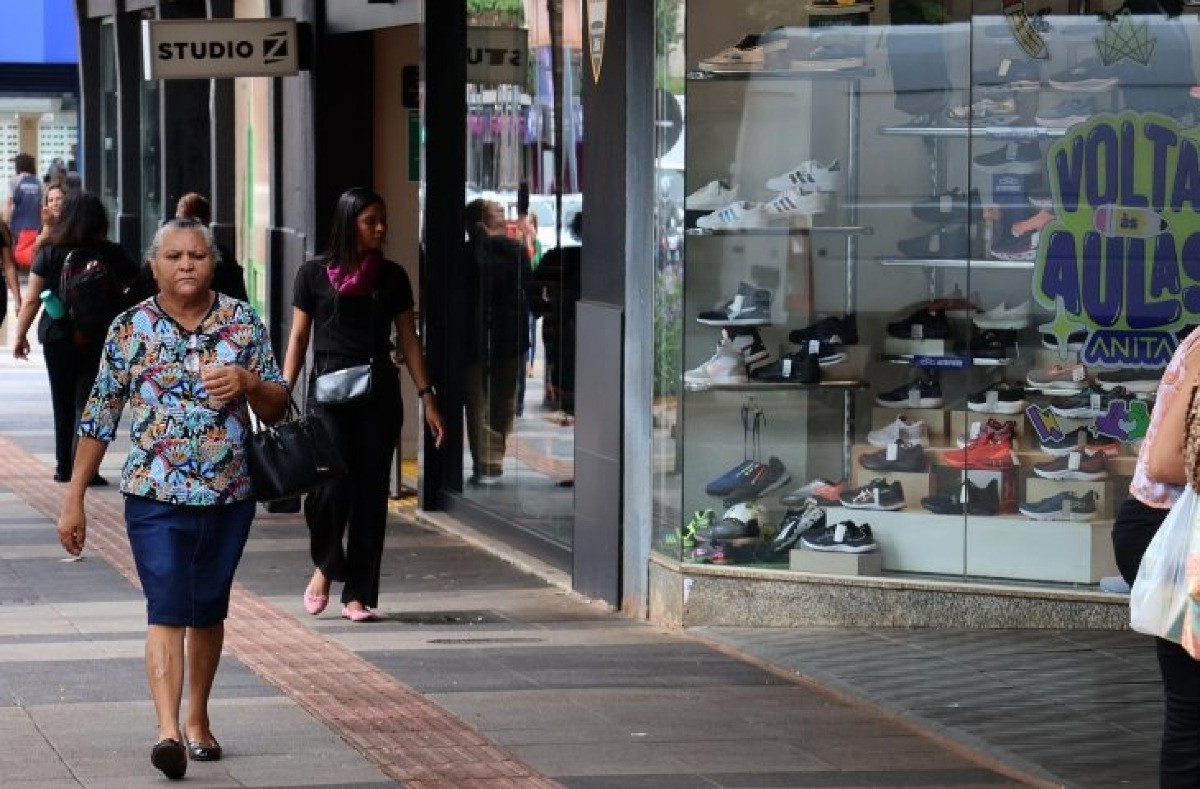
[{"x": 409, "y": 738}]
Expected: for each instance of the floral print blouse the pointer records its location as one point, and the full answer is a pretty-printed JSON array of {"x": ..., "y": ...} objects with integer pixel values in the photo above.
[{"x": 187, "y": 449}]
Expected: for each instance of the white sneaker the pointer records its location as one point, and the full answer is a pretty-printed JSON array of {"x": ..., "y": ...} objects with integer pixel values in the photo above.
[
  {"x": 749, "y": 54},
  {"x": 740, "y": 214},
  {"x": 711, "y": 196},
  {"x": 794, "y": 202},
  {"x": 1004, "y": 317},
  {"x": 727, "y": 366},
  {"x": 900, "y": 430},
  {"x": 810, "y": 175}
]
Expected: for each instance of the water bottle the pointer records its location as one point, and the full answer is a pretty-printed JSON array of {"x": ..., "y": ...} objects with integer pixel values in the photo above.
[{"x": 53, "y": 304}]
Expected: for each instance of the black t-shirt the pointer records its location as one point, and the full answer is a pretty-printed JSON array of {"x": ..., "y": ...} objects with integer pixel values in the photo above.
[
  {"x": 352, "y": 327},
  {"x": 48, "y": 265}
]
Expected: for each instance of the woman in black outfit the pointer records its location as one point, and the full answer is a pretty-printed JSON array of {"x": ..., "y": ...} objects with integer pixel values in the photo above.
[
  {"x": 71, "y": 359},
  {"x": 348, "y": 301}
]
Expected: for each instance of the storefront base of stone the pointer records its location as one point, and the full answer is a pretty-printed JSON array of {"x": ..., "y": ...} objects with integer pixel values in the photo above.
[{"x": 684, "y": 595}]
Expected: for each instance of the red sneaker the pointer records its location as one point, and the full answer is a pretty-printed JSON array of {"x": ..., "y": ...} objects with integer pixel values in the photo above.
[{"x": 992, "y": 448}]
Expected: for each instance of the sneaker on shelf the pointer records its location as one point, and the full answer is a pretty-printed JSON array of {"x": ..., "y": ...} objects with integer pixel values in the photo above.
[
  {"x": 990, "y": 343},
  {"x": 741, "y": 524},
  {"x": 984, "y": 111},
  {"x": 830, "y": 57},
  {"x": 834, "y": 330},
  {"x": 795, "y": 523},
  {"x": 922, "y": 324},
  {"x": 828, "y": 354},
  {"x": 1133, "y": 379},
  {"x": 1087, "y": 403},
  {"x": 1085, "y": 465},
  {"x": 749, "y": 54},
  {"x": 976, "y": 428},
  {"x": 991, "y": 449},
  {"x": 1006, "y": 246},
  {"x": 1003, "y": 316},
  {"x": 747, "y": 340},
  {"x": 725, "y": 367},
  {"x": 1065, "y": 506},
  {"x": 1088, "y": 76},
  {"x": 823, "y": 491},
  {"x": 878, "y": 494},
  {"x": 810, "y": 176},
  {"x": 1015, "y": 158},
  {"x": 901, "y": 429},
  {"x": 844, "y": 537},
  {"x": 1066, "y": 113},
  {"x": 794, "y": 202},
  {"x": 1009, "y": 74},
  {"x": 948, "y": 208},
  {"x": 721, "y": 552},
  {"x": 750, "y": 306},
  {"x": 999, "y": 398},
  {"x": 942, "y": 243},
  {"x": 738, "y": 215},
  {"x": 897, "y": 456},
  {"x": 723, "y": 484},
  {"x": 1058, "y": 378},
  {"x": 713, "y": 196},
  {"x": 969, "y": 499},
  {"x": 1079, "y": 440},
  {"x": 686, "y": 538},
  {"x": 955, "y": 306},
  {"x": 925, "y": 392},
  {"x": 794, "y": 368},
  {"x": 763, "y": 479},
  {"x": 1075, "y": 341}
]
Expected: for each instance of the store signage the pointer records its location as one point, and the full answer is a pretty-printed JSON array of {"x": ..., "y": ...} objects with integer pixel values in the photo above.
[
  {"x": 1026, "y": 30},
  {"x": 1125, "y": 420},
  {"x": 1121, "y": 258},
  {"x": 497, "y": 55},
  {"x": 209, "y": 48},
  {"x": 597, "y": 28}
]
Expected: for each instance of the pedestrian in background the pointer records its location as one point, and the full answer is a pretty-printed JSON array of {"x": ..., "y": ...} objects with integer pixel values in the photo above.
[
  {"x": 10, "y": 273},
  {"x": 229, "y": 279},
  {"x": 187, "y": 362},
  {"x": 71, "y": 358},
  {"x": 52, "y": 203},
  {"x": 497, "y": 331},
  {"x": 1158, "y": 481},
  {"x": 347, "y": 302},
  {"x": 23, "y": 211}
]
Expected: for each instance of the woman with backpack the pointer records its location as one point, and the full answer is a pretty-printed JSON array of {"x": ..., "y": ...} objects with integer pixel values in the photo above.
[{"x": 72, "y": 346}]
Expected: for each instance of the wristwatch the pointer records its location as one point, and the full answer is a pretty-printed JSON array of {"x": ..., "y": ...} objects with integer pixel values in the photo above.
[{"x": 427, "y": 390}]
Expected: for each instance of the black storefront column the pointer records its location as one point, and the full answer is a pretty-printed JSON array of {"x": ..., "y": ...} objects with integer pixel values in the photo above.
[
  {"x": 128, "y": 221},
  {"x": 185, "y": 121}
]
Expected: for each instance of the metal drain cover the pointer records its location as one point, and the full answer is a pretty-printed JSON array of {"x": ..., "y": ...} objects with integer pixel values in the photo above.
[{"x": 444, "y": 617}]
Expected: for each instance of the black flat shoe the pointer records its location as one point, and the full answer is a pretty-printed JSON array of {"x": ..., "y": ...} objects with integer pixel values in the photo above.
[
  {"x": 98, "y": 482},
  {"x": 62, "y": 477},
  {"x": 170, "y": 757},
  {"x": 204, "y": 752}
]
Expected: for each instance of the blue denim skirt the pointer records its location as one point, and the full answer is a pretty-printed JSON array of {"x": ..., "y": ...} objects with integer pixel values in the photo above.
[{"x": 186, "y": 557}]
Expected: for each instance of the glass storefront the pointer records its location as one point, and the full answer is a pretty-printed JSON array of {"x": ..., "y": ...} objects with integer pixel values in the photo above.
[
  {"x": 524, "y": 140},
  {"x": 918, "y": 271}
]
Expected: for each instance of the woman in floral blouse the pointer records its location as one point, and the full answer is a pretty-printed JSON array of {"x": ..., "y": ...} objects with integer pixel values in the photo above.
[{"x": 186, "y": 362}]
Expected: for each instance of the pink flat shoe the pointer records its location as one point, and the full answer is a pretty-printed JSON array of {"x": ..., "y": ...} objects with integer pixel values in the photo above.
[
  {"x": 358, "y": 614},
  {"x": 315, "y": 603}
]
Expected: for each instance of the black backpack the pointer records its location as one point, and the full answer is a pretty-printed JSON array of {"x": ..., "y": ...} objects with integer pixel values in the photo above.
[{"x": 91, "y": 293}]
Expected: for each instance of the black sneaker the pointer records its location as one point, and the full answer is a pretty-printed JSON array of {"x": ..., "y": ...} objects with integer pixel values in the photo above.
[
  {"x": 763, "y": 479},
  {"x": 942, "y": 243},
  {"x": 948, "y": 208},
  {"x": 1133, "y": 379},
  {"x": 1006, "y": 246},
  {"x": 832, "y": 330},
  {"x": 925, "y": 392},
  {"x": 797, "y": 368},
  {"x": 1065, "y": 506},
  {"x": 878, "y": 494},
  {"x": 844, "y": 537},
  {"x": 741, "y": 524},
  {"x": 992, "y": 343},
  {"x": 795, "y": 524},
  {"x": 999, "y": 398},
  {"x": 1017, "y": 158},
  {"x": 923, "y": 324},
  {"x": 969, "y": 499},
  {"x": 1091, "y": 402},
  {"x": 751, "y": 306},
  {"x": 897, "y": 456}
]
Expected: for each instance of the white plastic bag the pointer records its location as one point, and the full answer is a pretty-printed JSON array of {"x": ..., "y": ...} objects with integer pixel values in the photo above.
[{"x": 1159, "y": 603}]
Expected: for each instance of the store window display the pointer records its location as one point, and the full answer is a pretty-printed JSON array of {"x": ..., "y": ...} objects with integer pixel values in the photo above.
[{"x": 940, "y": 298}]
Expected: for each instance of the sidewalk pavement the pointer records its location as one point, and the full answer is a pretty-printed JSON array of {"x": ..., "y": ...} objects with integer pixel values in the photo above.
[{"x": 484, "y": 674}]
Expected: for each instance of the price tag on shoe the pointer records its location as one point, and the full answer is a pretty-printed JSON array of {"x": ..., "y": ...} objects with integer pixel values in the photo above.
[{"x": 893, "y": 451}]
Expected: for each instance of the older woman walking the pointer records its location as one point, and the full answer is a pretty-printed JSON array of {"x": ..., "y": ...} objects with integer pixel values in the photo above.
[{"x": 187, "y": 362}]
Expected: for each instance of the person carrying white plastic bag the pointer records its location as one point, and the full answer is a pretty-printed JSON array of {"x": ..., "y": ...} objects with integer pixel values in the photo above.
[{"x": 1161, "y": 602}]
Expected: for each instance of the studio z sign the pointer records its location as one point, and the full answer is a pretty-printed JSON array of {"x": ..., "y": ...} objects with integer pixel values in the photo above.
[{"x": 208, "y": 49}]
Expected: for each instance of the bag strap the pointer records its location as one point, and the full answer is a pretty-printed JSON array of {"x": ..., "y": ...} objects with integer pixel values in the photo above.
[{"x": 258, "y": 426}]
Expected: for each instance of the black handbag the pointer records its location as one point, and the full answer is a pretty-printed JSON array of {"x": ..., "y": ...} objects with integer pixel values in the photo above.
[{"x": 292, "y": 457}]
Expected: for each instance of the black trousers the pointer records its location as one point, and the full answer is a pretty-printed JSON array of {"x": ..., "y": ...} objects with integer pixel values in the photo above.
[
  {"x": 1179, "y": 761},
  {"x": 72, "y": 371},
  {"x": 347, "y": 518}
]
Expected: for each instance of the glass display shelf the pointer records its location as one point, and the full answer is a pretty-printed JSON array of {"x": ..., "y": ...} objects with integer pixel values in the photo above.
[
  {"x": 778, "y": 386},
  {"x": 958, "y": 263},
  {"x": 992, "y": 132},
  {"x": 861, "y": 230},
  {"x": 779, "y": 74}
]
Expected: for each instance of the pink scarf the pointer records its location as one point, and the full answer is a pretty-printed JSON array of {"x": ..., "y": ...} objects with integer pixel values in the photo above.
[{"x": 360, "y": 282}]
